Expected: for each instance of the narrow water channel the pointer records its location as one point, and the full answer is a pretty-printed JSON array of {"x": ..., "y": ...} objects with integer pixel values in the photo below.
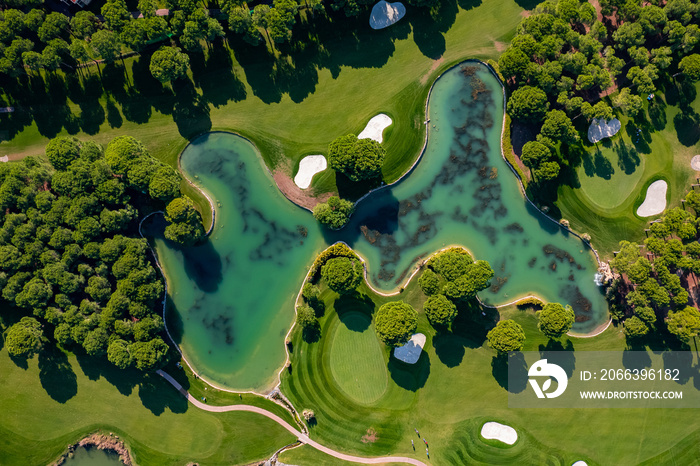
[{"x": 234, "y": 295}]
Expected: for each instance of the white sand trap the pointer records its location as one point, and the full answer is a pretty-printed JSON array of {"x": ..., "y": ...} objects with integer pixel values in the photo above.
[
  {"x": 599, "y": 129},
  {"x": 385, "y": 14},
  {"x": 375, "y": 127},
  {"x": 580, "y": 463},
  {"x": 4, "y": 158},
  {"x": 496, "y": 431},
  {"x": 655, "y": 202},
  {"x": 410, "y": 352},
  {"x": 308, "y": 167},
  {"x": 695, "y": 163}
]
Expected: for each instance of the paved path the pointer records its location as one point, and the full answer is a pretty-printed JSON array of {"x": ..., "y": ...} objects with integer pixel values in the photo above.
[{"x": 300, "y": 436}]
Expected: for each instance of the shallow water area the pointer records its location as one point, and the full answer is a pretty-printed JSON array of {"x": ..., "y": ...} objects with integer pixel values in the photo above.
[
  {"x": 93, "y": 457},
  {"x": 234, "y": 295}
]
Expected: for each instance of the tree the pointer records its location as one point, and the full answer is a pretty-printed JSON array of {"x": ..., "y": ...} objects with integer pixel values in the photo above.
[
  {"x": 451, "y": 263},
  {"x": 641, "y": 80},
  {"x": 506, "y": 336},
  {"x": 342, "y": 274},
  {"x": 554, "y": 320},
  {"x": 169, "y": 64},
  {"x": 628, "y": 35},
  {"x": 165, "y": 184},
  {"x": 106, "y": 44},
  {"x": 185, "y": 222},
  {"x": 122, "y": 152},
  {"x": 635, "y": 327},
  {"x": 54, "y": 25},
  {"x": 116, "y": 15},
  {"x": 134, "y": 35},
  {"x": 62, "y": 151},
  {"x": 628, "y": 255},
  {"x": 147, "y": 8},
  {"x": 513, "y": 63},
  {"x": 534, "y": 153},
  {"x": 306, "y": 316},
  {"x": 690, "y": 66},
  {"x": 149, "y": 355},
  {"x": 441, "y": 312},
  {"x": 528, "y": 103},
  {"x": 395, "y": 322},
  {"x": 34, "y": 19},
  {"x": 23, "y": 339},
  {"x": 118, "y": 354},
  {"x": 684, "y": 324},
  {"x": 240, "y": 21},
  {"x": 558, "y": 126},
  {"x": 476, "y": 278},
  {"x": 335, "y": 213},
  {"x": 83, "y": 24},
  {"x": 358, "y": 159},
  {"x": 628, "y": 102},
  {"x": 429, "y": 282}
]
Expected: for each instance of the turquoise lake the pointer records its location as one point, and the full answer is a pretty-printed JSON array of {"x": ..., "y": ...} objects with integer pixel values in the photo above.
[
  {"x": 93, "y": 457},
  {"x": 234, "y": 294}
]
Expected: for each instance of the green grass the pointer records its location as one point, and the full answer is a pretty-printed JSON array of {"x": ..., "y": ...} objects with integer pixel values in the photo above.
[
  {"x": 357, "y": 363},
  {"x": 610, "y": 183},
  {"x": 58, "y": 398},
  {"x": 339, "y": 75},
  {"x": 456, "y": 386}
]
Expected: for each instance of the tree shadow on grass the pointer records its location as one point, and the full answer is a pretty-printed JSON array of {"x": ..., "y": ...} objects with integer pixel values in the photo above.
[
  {"x": 687, "y": 124},
  {"x": 449, "y": 348},
  {"x": 215, "y": 76},
  {"x": 410, "y": 376},
  {"x": 311, "y": 333},
  {"x": 561, "y": 354},
  {"x": 56, "y": 374},
  {"x": 355, "y": 311},
  {"x": 95, "y": 368},
  {"x": 156, "y": 394},
  {"x": 502, "y": 364}
]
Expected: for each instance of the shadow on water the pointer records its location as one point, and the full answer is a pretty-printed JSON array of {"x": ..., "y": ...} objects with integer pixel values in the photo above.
[
  {"x": 410, "y": 376},
  {"x": 203, "y": 265},
  {"x": 56, "y": 374}
]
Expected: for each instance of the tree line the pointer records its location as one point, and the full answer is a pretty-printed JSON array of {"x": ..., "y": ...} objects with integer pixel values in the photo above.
[{"x": 74, "y": 269}]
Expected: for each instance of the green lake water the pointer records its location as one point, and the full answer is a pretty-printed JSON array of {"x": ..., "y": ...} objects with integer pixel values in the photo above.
[
  {"x": 234, "y": 295},
  {"x": 93, "y": 457}
]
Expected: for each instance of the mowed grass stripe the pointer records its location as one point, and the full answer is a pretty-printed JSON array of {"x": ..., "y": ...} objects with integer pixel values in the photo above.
[{"x": 357, "y": 363}]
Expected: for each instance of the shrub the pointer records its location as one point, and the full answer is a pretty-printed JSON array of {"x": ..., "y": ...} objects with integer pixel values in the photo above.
[
  {"x": 335, "y": 213},
  {"x": 506, "y": 336},
  {"x": 335, "y": 250}
]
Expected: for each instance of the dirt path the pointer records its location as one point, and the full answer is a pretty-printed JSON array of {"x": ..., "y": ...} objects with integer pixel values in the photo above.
[{"x": 300, "y": 436}]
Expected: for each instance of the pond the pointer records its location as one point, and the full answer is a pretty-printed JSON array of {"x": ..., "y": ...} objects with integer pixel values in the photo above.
[
  {"x": 93, "y": 457},
  {"x": 234, "y": 295}
]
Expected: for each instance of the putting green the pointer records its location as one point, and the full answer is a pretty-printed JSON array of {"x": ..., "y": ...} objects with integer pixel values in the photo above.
[{"x": 357, "y": 363}]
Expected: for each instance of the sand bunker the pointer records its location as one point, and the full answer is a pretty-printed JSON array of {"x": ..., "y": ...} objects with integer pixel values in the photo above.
[
  {"x": 5, "y": 158},
  {"x": 308, "y": 167},
  {"x": 655, "y": 202},
  {"x": 695, "y": 163},
  {"x": 580, "y": 463},
  {"x": 410, "y": 352},
  {"x": 385, "y": 14},
  {"x": 375, "y": 127},
  {"x": 599, "y": 129},
  {"x": 496, "y": 431}
]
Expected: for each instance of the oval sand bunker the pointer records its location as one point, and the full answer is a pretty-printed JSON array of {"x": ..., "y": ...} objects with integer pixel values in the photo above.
[
  {"x": 384, "y": 14},
  {"x": 308, "y": 167},
  {"x": 375, "y": 127},
  {"x": 655, "y": 202},
  {"x": 496, "y": 431},
  {"x": 695, "y": 163}
]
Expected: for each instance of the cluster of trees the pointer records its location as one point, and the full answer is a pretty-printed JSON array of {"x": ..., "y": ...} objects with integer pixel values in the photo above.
[
  {"x": 334, "y": 213},
  {"x": 72, "y": 263},
  {"x": 451, "y": 277},
  {"x": 563, "y": 60},
  {"x": 654, "y": 278}
]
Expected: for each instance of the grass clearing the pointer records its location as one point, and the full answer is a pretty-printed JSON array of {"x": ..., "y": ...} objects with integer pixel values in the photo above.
[{"x": 357, "y": 363}]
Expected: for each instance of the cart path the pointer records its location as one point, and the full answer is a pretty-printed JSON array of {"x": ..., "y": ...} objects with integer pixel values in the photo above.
[{"x": 299, "y": 435}]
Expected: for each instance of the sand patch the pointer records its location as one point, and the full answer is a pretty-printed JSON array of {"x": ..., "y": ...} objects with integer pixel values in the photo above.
[
  {"x": 433, "y": 67},
  {"x": 655, "y": 201},
  {"x": 370, "y": 437},
  {"x": 695, "y": 163},
  {"x": 384, "y": 14},
  {"x": 308, "y": 167},
  {"x": 600, "y": 129},
  {"x": 580, "y": 463},
  {"x": 375, "y": 127},
  {"x": 410, "y": 352},
  {"x": 500, "y": 432},
  {"x": 4, "y": 158}
]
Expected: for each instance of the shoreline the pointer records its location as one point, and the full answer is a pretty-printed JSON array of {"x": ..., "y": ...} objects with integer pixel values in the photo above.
[{"x": 101, "y": 441}]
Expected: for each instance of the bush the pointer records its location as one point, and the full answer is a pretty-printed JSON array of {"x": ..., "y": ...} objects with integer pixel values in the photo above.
[
  {"x": 530, "y": 301},
  {"x": 335, "y": 250},
  {"x": 335, "y": 213},
  {"x": 506, "y": 336},
  {"x": 358, "y": 159},
  {"x": 342, "y": 275},
  {"x": 429, "y": 282},
  {"x": 441, "y": 312},
  {"x": 395, "y": 322},
  {"x": 23, "y": 339},
  {"x": 555, "y": 320}
]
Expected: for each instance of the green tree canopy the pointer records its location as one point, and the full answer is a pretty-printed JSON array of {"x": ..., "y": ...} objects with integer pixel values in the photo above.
[
  {"x": 358, "y": 159},
  {"x": 554, "y": 320},
  {"x": 23, "y": 339},
  {"x": 185, "y": 224},
  {"x": 558, "y": 126},
  {"x": 169, "y": 64},
  {"x": 429, "y": 282},
  {"x": 506, "y": 336},
  {"x": 334, "y": 213},
  {"x": 528, "y": 103},
  {"x": 62, "y": 151},
  {"x": 690, "y": 66},
  {"x": 395, "y": 322},
  {"x": 306, "y": 316},
  {"x": 451, "y": 263},
  {"x": 441, "y": 312},
  {"x": 342, "y": 274},
  {"x": 684, "y": 323}
]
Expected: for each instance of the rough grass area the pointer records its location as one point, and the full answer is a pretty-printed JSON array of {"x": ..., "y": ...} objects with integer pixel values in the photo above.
[
  {"x": 458, "y": 385},
  {"x": 57, "y": 399},
  {"x": 357, "y": 363},
  {"x": 606, "y": 188}
]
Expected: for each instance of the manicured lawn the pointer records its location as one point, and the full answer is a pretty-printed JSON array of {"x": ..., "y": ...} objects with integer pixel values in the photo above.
[
  {"x": 357, "y": 362},
  {"x": 340, "y": 75},
  {"x": 57, "y": 399},
  {"x": 456, "y": 386},
  {"x": 612, "y": 179}
]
